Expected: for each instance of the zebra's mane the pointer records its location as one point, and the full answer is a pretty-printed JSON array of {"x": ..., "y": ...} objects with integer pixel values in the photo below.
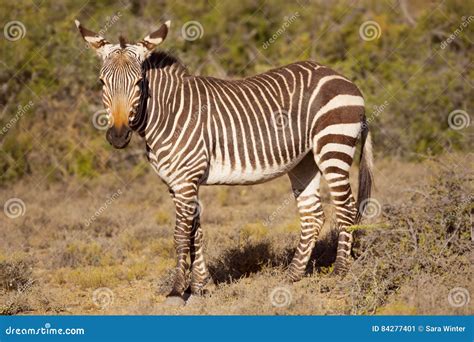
[
  {"x": 157, "y": 60},
  {"x": 122, "y": 41},
  {"x": 162, "y": 59}
]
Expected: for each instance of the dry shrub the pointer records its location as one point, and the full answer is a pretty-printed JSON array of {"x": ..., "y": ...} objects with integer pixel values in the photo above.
[
  {"x": 30, "y": 298},
  {"x": 16, "y": 281},
  {"x": 15, "y": 273},
  {"x": 162, "y": 247},
  {"x": 426, "y": 237},
  {"x": 135, "y": 271},
  {"x": 248, "y": 257},
  {"x": 80, "y": 254},
  {"x": 89, "y": 277},
  {"x": 253, "y": 232},
  {"x": 15, "y": 303}
]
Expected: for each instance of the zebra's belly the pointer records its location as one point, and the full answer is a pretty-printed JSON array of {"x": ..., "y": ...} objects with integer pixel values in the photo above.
[{"x": 224, "y": 173}]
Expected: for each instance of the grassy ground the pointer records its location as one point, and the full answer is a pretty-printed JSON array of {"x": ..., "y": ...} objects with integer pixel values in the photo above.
[{"x": 104, "y": 246}]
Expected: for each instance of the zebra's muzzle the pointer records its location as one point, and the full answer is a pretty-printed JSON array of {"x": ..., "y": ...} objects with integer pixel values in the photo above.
[{"x": 119, "y": 138}]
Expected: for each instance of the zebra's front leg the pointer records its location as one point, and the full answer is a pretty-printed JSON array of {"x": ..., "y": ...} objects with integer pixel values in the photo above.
[
  {"x": 200, "y": 274},
  {"x": 187, "y": 210}
]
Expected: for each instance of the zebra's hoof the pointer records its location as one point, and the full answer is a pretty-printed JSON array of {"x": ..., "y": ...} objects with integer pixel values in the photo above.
[
  {"x": 294, "y": 275},
  {"x": 293, "y": 278},
  {"x": 175, "y": 301},
  {"x": 200, "y": 292}
]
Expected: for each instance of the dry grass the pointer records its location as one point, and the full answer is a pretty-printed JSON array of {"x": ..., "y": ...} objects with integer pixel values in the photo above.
[{"x": 407, "y": 259}]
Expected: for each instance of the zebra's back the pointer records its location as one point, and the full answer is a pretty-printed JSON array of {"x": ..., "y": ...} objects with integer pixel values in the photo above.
[
  {"x": 267, "y": 123},
  {"x": 257, "y": 128}
]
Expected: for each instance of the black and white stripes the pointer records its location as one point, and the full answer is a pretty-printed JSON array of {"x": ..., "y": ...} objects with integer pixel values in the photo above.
[{"x": 303, "y": 119}]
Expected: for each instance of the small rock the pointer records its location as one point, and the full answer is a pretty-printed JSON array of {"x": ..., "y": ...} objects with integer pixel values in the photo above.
[{"x": 175, "y": 301}]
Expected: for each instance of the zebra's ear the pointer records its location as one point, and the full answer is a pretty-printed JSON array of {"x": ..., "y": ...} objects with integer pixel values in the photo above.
[
  {"x": 150, "y": 42},
  {"x": 98, "y": 43}
]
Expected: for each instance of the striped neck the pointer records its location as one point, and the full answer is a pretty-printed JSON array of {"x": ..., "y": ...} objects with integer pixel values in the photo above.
[{"x": 160, "y": 66}]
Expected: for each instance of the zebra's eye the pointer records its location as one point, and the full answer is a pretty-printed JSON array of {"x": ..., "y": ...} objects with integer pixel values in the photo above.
[
  {"x": 138, "y": 81},
  {"x": 102, "y": 81}
]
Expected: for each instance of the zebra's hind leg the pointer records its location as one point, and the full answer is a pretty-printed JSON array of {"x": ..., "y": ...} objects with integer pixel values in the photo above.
[
  {"x": 200, "y": 274},
  {"x": 341, "y": 193},
  {"x": 305, "y": 179}
]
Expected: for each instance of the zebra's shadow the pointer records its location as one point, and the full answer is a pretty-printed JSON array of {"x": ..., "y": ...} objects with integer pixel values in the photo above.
[{"x": 241, "y": 262}]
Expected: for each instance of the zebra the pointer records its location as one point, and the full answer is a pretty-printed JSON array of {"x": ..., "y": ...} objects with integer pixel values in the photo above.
[{"x": 302, "y": 119}]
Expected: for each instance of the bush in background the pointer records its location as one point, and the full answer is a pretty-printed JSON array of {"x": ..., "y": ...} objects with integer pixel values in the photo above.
[{"x": 412, "y": 76}]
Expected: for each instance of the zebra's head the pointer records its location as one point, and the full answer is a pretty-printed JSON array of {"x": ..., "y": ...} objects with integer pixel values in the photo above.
[{"x": 121, "y": 76}]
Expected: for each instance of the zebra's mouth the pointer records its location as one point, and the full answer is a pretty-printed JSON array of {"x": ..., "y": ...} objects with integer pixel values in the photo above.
[{"x": 119, "y": 138}]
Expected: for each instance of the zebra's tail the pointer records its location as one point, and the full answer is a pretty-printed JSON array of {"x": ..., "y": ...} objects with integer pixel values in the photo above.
[{"x": 365, "y": 171}]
